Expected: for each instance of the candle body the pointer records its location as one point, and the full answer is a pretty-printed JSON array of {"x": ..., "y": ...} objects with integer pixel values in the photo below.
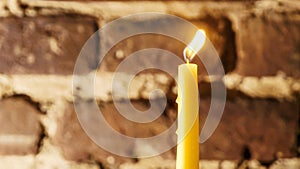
[{"x": 188, "y": 118}]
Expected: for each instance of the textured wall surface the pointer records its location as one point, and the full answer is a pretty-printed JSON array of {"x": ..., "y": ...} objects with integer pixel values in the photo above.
[{"x": 258, "y": 43}]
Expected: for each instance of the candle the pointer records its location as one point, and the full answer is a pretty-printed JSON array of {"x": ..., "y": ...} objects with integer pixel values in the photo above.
[{"x": 188, "y": 106}]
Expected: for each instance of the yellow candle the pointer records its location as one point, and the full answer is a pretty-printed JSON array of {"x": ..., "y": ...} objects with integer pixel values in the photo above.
[
  {"x": 188, "y": 125},
  {"x": 188, "y": 106}
]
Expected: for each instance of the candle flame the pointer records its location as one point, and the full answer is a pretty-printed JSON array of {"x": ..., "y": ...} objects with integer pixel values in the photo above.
[{"x": 195, "y": 45}]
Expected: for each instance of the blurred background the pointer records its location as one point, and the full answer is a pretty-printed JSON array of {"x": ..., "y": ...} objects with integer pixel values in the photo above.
[{"x": 258, "y": 43}]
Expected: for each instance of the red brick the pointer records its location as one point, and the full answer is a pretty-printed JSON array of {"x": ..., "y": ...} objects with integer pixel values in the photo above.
[
  {"x": 42, "y": 45},
  {"x": 77, "y": 146},
  {"x": 267, "y": 44},
  {"x": 266, "y": 127},
  {"x": 19, "y": 127},
  {"x": 218, "y": 30}
]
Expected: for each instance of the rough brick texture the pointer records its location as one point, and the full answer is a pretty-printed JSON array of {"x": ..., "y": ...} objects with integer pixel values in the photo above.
[
  {"x": 82, "y": 147},
  {"x": 19, "y": 127},
  {"x": 268, "y": 44},
  {"x": 266, "y": 127},
  {"x": 218, "y": 30},
  {"x": 42, "y": 45}
]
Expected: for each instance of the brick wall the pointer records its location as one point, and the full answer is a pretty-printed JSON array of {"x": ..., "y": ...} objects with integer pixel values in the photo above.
[{"x": 258, "y": 43}]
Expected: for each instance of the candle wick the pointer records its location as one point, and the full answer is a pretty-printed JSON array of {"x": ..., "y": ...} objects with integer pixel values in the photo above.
[{"x": 187, "y": 59}]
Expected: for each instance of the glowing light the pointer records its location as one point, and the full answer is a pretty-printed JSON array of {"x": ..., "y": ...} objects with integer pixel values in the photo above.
[{"x": 195, "y": 45}]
